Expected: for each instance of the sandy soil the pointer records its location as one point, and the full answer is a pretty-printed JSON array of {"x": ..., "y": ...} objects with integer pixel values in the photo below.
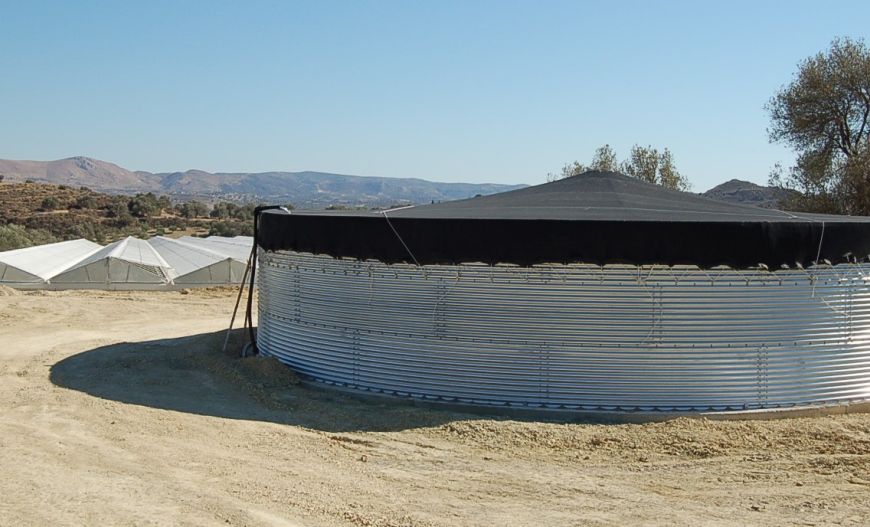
[{"x": 119, "y": 409}]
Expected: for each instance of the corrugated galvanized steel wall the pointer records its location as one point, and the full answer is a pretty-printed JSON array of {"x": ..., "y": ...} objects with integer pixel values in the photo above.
[{"x": 575, "y": 337}]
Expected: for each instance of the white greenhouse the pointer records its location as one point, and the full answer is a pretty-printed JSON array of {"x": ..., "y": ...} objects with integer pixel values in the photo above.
[
  {"x": 129, "y": 264},
  {"x": 33, "y": 267},
  {"x": 193, "y": 265},
  {"x": 238, "y": 248}
]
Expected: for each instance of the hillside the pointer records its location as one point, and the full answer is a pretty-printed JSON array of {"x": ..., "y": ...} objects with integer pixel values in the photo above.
[
  {"x": 37, "y": 213},
  {"x": 305, "y": 189},
  {"x": 748, "y": 193},
  {"x": 76, "y": 172},
  {"x": 320, "y": 189}
]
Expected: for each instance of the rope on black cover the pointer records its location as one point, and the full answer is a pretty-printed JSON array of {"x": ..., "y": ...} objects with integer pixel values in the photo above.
[
  {"x": 821, "y": 239},
  {"x": 405, "y": 245},
  {"x": 821, "y": 236}
]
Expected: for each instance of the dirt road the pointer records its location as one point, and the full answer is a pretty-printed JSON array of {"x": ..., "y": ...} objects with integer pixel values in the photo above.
[{"x": 119, "y": 409}]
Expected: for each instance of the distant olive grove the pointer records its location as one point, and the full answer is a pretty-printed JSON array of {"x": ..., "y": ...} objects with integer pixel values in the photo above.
[
  {"x": 36, "y": 214},
  {"x": 18, "y": 236}
]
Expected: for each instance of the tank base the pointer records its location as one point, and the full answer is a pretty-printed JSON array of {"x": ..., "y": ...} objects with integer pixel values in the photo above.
[{"x": 591, "y": 416}]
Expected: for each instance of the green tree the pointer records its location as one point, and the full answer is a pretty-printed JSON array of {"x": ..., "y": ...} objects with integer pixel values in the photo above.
[
  {"x": 18, "y": 236},
  {"x": 84, "y": 229},
  {"x": 644, "y": 163},
  {"x": 824, "y": 114},
  {"x": 647, "y": 164},
  {"x": 50, "y": 203},
  {"x": 669, "y": 176},
  {"x": 227, "y": 228},
  {"x": 164, "y": 203},
  {"x": 223, "y": 210},
  {"x": 569, "y": 170},
  {"x": 604, "y": 160},
  {"x": 86, "y": 202},
  {"x": 194, "y": 209},
  {"x": 246, "y": 212},
  {"x": 117, "y": 208},
  {"x": 143, "y": 205}
]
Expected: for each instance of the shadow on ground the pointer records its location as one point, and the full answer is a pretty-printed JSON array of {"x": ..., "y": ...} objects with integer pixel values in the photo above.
[{"x": 191, "y": 374}]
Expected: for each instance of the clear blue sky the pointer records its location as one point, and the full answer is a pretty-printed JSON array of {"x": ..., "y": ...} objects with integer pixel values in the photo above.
[{"x": 450, "y": 91}]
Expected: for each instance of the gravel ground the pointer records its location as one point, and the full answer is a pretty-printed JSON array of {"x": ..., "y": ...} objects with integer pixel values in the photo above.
[{"x": 119, "y": 408}]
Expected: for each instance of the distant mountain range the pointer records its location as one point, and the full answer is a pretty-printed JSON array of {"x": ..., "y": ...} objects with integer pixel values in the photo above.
[
  {"x": 305, "y": 189},
  {"x": 748, "y": 193}
]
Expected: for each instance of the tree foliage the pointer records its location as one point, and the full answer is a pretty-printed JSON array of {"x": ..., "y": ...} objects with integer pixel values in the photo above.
[
  {"x": 604, "y": 160},
  {"x": 644, "y": 163},
  {"x": 824, "y": 114},
  {"x": 648, "y": 164},
  {"x": 570, "y": 170},
  {"x": 18, "y": 236},
  {"x": 669, "y": 176},
  {"x": 226, "y": 210},
  {"x": 50, "y": 203},
  {"x": 227, "y": 228},
  {"x": 106, "y": 218},
  {"x": 194, "y": 209},
  {"x": 86, "y": 202}
]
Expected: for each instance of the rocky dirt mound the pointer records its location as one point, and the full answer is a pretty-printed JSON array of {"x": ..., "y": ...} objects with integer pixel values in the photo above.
[{"x": 8, "y": 291}]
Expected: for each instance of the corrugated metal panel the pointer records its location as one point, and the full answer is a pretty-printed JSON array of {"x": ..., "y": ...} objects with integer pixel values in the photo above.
[{"x": 574, "y": 337}]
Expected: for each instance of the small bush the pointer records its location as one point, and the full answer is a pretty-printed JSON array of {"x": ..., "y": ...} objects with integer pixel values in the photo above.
[
  {"x": 50, "y": 203},
  {"x": 227, "y": 228},
  {"x": 86, "y": 202},
  {"x": 193, "y": 209}
]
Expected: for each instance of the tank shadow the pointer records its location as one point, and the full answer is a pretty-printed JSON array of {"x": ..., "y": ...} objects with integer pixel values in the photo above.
[{"x": 190, "y": 374}]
